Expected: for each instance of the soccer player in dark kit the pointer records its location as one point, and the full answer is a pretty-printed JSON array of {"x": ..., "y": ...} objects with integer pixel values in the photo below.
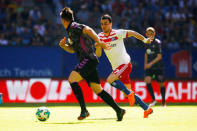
[
  {"x": 153, "y": 65},
  {"x": 79, "y": 42}
]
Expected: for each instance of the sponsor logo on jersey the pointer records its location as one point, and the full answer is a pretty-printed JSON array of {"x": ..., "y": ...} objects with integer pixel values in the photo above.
[
  {"x": 149, "y": 51},
  {"x": 113, "y": 45}
]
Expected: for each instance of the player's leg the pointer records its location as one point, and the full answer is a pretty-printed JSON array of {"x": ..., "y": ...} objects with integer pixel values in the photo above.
[
  {"x": 73, "y": 79},
  {"x": 160, "y": 80},
  {"x": 115, "y": 82},
  {"x": 119, "y": 85},
  {"x": 147, "y": 110},
  {"x": 81, "y": 70},
  {"x": 107, "y": 98},
  {"x": 163, "y": 92},
  {"x": 94, "y": 83},
  {"x": 138, "y": 100},
  {"x": 128, "y": 87},
  {"x": 149, "y": 86}
]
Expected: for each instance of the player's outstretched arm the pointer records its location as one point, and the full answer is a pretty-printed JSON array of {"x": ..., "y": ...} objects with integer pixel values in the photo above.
[
  {"x": 66, "y": 47},
  {"x": 92, "y": 34},
  {"x": 145, "y": 61},
  {"x": 138, "y": 36}
]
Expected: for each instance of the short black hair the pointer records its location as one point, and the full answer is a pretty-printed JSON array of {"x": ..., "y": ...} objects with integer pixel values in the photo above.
[
  {"x": 67, "y": 14},
  {"x": 106, "y": 17}
]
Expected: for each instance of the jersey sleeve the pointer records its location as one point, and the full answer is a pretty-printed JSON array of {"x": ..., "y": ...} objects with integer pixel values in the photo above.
[
  {"x": 99, "y": 35},
  {"x": 75, "y": 31},
  {"x": 79, "y": 28},
  {"x": 159, "y": 47},
  {"x": 122, "y": 34}
]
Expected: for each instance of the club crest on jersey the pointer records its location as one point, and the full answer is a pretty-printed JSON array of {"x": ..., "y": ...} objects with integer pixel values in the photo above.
[
  {"x": 114, "y": 38},
  {"x": 110, "y": 39},
  {"x": 149, "y": 51}
]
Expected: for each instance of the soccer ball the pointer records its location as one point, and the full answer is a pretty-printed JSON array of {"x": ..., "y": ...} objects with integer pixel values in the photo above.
[{"x": 42, "y": 113}]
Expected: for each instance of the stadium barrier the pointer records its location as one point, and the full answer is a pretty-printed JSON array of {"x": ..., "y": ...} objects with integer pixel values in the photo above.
[
  {"x": 47, "y": 90},
  {"x": 53, "y": 62}
]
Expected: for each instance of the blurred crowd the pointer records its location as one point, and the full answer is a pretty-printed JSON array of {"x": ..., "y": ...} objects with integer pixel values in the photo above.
[
  {"x": 175, "y": 21},
  {"x": 22, "y": 26}
]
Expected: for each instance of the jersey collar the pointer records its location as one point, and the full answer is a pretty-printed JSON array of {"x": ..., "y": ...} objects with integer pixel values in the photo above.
[{"x": 109, "y": 33}]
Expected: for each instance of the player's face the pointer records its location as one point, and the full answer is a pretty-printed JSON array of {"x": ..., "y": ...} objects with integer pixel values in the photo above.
[
  {"x": 150, "y": 34},
  {"x": 106, "y": 25}
]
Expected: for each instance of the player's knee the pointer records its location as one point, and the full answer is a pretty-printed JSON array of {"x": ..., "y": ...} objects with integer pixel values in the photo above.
[
  {"x": 109, "y": 80},
  {"x": 160, "y": 79},
  {"x": 70, "y": 80},
  {"x": 161, "y": 84},
  {"x": 74, "y": 77},
  {"x": 147, "y": 80},
  {"x": 96, "y": 88}
]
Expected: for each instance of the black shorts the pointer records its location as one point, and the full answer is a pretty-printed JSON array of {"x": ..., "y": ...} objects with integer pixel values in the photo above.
[
  {"x": 156, "y": 74},
  {"x": 88, "y": 70}
]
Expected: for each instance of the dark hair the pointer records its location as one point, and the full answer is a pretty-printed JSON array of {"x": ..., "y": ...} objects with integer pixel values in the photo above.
[
  {"x": 67, "y": 14},
  {"x": 107, "y": 17}
]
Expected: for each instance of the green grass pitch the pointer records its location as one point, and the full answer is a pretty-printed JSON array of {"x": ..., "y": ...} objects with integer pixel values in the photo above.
[{"x": 175, "y": 118}]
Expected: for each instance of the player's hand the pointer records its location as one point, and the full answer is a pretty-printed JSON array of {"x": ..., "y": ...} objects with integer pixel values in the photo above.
[
  {"x": 148, "y": 40},
  {"x": 103, "y": 45},
  {"x": 62, "y": 42},
  {"x": 147, "y": 66},
  {"x": 96, "y": 45}
]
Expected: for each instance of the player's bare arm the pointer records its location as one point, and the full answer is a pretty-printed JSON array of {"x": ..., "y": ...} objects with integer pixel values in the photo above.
[
  {"x": 158, "y": 58},
  {"x": 92, "y": 34},
  {"x": 98, "y": 51},
  {"x": 65, "y": 46},
  {"x": 145, "y": 61},
  {"x": 135, "y": 34}
]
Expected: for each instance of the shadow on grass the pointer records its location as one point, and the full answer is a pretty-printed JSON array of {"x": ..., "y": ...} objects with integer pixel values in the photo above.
[
  {"x": 86, "y": 121},
  {"x": 70, "y": 123},
  {"x": 102, "y": 119}
]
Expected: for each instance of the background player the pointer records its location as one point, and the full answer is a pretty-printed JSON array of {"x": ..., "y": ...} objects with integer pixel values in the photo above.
[
  {"x": 153, "y": 65},
  {"x": 80, "y": 43},
  {"x": 120, "y": 59}
]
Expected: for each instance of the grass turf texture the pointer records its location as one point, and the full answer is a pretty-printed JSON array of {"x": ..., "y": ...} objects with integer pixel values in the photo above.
[{"x": 173, "y": 117}]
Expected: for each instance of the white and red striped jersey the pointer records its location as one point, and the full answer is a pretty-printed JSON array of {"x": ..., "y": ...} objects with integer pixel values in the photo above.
[{"x": 117, "y": 55}]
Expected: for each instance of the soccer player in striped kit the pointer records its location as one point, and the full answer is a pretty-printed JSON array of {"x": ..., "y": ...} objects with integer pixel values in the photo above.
[{"x": 120, "y": 59}]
